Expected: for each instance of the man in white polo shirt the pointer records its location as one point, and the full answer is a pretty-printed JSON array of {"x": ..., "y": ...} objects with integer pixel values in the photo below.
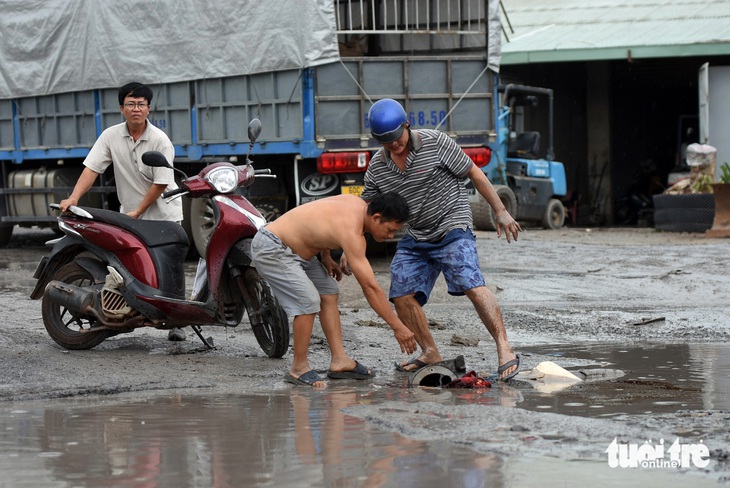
[{"x": 139, "y": 186}]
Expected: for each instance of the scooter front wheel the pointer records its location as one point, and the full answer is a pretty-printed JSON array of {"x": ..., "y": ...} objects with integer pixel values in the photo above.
[
  {"x": 268, "y": 320},
  {"x": 70, "y": 329}
]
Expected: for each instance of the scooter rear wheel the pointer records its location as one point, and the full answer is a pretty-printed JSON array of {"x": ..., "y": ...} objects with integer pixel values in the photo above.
[
  {"x": 269, "y": 322},
  {"x": 69, "y": 329}
]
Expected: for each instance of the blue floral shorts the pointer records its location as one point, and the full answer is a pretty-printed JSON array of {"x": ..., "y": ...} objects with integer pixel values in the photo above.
[{"x": 417, "y": 265}]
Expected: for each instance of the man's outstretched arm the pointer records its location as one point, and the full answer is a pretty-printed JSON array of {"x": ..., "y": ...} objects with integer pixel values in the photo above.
[
  {"x": 83, "y": 184},
  {"x": 378, "y": 301}
]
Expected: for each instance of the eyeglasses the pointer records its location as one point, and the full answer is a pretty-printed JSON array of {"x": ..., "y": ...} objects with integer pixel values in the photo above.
[{"x": 141, "y": 105}]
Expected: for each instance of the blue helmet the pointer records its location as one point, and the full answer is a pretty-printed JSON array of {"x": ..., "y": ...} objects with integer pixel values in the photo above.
[{"x": 387, "y": 120}]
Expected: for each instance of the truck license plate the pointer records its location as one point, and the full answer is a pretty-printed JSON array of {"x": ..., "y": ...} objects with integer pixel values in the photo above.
[{"x": 352, "y": 190}]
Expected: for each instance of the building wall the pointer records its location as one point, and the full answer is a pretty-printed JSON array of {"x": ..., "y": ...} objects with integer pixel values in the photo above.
[
  {"x": 598, "y": 192},
  {"x": 619, "y": 126}
]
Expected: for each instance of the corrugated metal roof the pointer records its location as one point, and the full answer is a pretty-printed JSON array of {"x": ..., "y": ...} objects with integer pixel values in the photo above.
[{"x": 585, "y": 30}]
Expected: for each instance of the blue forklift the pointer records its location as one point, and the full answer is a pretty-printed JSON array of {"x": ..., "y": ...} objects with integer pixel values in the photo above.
[{"x": 529, "y": 182}]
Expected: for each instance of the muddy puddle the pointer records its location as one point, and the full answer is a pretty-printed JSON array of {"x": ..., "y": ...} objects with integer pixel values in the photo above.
[
  {"x": 288, "y": 439},
  {"x": 17, "y": 276},
  {"x": 301, "y": 437},
  {"x": 650, "y": 379}
]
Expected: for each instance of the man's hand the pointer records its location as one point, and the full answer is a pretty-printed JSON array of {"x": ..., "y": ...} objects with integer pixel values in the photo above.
[
  {"x": 406, "y": 339},
  {"x": 506, "y": 223},
  {"x": 331, "y": 266},
  {"x": 344, "y": 266},
  {"x": 67, "y": 203}
]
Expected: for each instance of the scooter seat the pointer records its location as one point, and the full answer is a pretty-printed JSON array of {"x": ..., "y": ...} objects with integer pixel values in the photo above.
[{"x": 152, "y": 232}]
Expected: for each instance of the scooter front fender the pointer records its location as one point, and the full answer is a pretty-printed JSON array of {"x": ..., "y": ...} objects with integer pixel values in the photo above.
[{"x": 237, "y": 220}]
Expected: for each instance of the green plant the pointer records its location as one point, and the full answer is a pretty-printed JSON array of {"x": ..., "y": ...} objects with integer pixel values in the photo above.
[
  {"x": 702, "y": 184},
  {"x": 725, "y": 178}
]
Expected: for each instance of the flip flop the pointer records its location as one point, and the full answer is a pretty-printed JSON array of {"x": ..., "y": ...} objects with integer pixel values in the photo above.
[
  {"x": 359, "y": 372},
  {"x": 419, "y": 364},
  {"x": 307, "y": 379},
  {"x": 516, "y": 361}
]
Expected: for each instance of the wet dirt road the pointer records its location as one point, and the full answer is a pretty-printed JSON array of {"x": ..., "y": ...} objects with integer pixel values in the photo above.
[{"x": 643, "y": 315}]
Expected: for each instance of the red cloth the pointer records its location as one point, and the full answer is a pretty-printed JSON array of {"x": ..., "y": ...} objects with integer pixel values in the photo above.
[{"x": 470, "y": 380}]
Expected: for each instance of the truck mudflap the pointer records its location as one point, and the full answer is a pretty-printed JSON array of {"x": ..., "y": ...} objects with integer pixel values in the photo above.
[{"x": 314, "y": 185}]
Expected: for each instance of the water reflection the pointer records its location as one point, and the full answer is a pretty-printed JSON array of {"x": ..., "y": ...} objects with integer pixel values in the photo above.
[
  {"x": 346, "y": 449},
  {"x": 168, "y": 441},
  {"x": 659, "y": 378},
  {"x": 229, "y": 441}
]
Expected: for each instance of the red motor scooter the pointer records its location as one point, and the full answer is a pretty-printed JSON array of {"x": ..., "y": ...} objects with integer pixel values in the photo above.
[{"x": 111, "y": 273}]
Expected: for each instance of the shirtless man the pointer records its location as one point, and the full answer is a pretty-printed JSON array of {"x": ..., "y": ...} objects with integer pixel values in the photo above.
[{"x": 285, "y": 255}]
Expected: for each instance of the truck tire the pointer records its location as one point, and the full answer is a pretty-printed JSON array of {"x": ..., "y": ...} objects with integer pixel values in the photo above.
[
  {"x": 554, "y": 216},
  {"x": 188, "y": 228},
  {"x": 270, "y": 211},
  {"x": 684, "y": 213},
  {"x": 483, "y": 214},
  {"x": 683, "y": 219},
  {"x": 202, "y": 223},
  {"x": 671, "y": 201}
]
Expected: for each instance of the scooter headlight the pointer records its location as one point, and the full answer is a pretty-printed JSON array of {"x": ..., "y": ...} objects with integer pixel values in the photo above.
[{"x": 224, "y": 179}]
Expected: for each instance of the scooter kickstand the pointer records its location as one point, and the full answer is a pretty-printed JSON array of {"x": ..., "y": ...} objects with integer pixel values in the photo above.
[{"x": 208, "y": 342}]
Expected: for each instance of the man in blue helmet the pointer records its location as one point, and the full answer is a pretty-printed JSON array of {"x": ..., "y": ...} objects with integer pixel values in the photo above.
[{"x": 428, "y": 168}]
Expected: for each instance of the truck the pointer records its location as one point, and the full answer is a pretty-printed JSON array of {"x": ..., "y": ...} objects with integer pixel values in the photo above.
[{"x": 440, "y": 59}]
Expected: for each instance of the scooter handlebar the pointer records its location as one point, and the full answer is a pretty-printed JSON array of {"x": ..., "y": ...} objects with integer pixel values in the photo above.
[
  {"x": 177, "y": 191},
  {"x": 263, "y": 173}
]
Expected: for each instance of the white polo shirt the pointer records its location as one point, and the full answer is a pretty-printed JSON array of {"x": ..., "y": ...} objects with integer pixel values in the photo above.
[{"x": 133, "y": 178}]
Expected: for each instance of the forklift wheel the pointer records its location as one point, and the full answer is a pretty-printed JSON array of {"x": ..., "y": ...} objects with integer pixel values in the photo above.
[{"x": 554, "y": 216}]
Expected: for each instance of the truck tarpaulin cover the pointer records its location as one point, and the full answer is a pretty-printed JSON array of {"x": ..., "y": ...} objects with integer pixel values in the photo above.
[{"x": 55, "y": 46}]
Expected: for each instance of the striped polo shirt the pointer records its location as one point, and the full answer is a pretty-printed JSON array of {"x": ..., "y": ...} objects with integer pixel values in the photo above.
[{"x": 432, "y": 184}]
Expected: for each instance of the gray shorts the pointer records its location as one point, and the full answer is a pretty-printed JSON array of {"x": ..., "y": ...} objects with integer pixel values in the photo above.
[{"x": 296, "y": 283}]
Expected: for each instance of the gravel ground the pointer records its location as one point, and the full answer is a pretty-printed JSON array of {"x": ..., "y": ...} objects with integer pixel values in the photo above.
[{"x": 573, "y": 286}]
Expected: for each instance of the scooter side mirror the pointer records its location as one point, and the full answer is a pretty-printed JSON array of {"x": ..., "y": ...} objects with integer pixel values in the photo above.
[
  {"x": 254, "y": 130},
  {"x": 155, "y": 159},
  {"x": 158, "y": 160}
]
